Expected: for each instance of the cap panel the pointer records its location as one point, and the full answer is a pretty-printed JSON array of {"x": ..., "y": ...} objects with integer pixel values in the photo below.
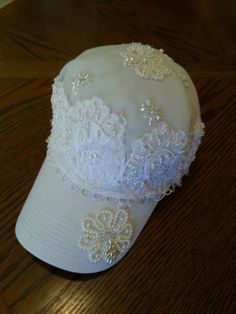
[{"x": 124, "y": 91}]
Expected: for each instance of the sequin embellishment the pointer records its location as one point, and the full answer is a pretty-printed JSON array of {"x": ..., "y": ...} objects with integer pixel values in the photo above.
[
  {"x": 80, "y": 80},
  {"x": 146, "y": 61},
  {"x": 152, "y": 112},
  {"x": 106, "y": 234}
]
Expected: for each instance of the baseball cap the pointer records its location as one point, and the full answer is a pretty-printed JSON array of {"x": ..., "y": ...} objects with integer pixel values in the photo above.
[{"x": 126, "y": 126}]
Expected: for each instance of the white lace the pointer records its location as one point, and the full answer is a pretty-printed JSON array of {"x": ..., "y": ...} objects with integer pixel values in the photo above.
[
  {"x": 87, "y": 144},
  {"x": 88, "y": 139}
]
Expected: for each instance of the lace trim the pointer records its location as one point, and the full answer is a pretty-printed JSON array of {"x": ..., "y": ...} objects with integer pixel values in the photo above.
[
  {"x": 86, "y": 139},
  {"x": 87, "y": 144},
  {"x": 88, "y": 191}
]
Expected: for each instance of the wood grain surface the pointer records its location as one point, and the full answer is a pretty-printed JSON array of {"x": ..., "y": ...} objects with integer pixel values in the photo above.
[{"x": 185, "y": 259}]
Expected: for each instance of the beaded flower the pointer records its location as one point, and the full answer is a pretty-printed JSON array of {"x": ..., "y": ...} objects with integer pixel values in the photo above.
[
  {"x": 146, "y": 61},
  {"x": 106, "y": 234}
]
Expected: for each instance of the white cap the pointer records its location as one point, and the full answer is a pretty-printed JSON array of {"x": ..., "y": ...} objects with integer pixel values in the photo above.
[{"x": 126, "y": 126}]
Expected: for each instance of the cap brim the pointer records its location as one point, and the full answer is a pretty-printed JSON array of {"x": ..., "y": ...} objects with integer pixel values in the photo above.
[{"x": 50, "y": 223}]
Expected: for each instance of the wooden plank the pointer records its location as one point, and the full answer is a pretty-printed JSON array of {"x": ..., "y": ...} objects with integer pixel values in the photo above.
[{"x": 4, "y": 3}]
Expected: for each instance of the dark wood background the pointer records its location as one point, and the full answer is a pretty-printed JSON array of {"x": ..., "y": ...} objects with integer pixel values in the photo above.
[{"x": 185, "y": 259}]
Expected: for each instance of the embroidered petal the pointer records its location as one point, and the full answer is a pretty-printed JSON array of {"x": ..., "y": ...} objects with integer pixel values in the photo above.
[
  {"x": 111, "y": 251},
  {"x": 88, "y": 240},
  {"x": 120, "y": 220},
  {"x": 122, "y": 245},
  {"x": 91, "y": 225},
  {"x": 95, "y": 254},
  {"x": 105, "y": 219}
]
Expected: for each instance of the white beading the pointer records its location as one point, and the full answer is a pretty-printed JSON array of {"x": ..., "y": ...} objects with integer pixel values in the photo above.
[
  {"x": 80, "y": 80},
  {"x": 146, "y": 61},
  {"x": 87, "y": 144},
  {"x": 183, "y": 79},
  {"x": 106, "y": 234},
  {"x": 151, "y": 111},
  {"x": 157, "y": 162}
]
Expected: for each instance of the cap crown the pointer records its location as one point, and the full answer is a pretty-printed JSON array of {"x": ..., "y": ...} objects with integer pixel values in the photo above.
[{"x": 126, "y": 122}]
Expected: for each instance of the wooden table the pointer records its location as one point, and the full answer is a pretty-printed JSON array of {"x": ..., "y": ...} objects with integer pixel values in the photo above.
[{"x": 185, "y": 259}]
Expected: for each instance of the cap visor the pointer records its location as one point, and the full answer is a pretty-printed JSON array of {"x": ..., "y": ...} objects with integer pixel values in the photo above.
[{"x": 50, "y": 223}]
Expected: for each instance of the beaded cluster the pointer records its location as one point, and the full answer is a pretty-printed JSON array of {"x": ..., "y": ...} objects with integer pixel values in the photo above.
[
  {"x": 151, "y": 111},
  {"x": 106, "y": 234},
  {"x": 147, "y": 62},
  {"x": 80, "y": 80},
  {"x": 183, "y": 79}
]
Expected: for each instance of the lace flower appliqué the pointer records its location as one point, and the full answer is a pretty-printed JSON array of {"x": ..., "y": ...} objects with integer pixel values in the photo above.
[
  {"x": 157, "y": 162},
  {"x": 146, "y": 61},
  {"x": 106, "y": 234},
  {"x": 95, "y": 128},
  {"x": 86, "y": 141}
]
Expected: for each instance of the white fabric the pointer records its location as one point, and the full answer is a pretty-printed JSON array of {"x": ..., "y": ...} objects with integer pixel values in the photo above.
[
  {"x": 126, "y": 126},
  {"x": 49, "y": 225}
]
